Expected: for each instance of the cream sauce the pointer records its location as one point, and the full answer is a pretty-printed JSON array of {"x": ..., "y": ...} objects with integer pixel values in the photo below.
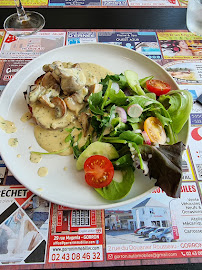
[
  {"x": 92, "y": 71},
  {"x": 27, "y": 116},
  {"x": 46, "y": 116},
  {"x": 13, "y": 142},
  {"x": 7, "y": 126},
  {"x": 54, "y": 140},
  {"x": 35, "y": 158},
  {"x": 42, "y": 172}
]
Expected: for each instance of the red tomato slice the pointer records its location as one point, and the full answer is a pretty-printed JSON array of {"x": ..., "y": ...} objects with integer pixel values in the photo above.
[
  {"x": 158, "y": 87},
  {"x": 99, "y": 171}
]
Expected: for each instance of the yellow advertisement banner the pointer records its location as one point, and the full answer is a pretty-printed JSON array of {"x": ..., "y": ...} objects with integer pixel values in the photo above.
[
  {"x": 180, "y": 45},
  {"x": 25, "y": 3},
  {"x": 177, "y": 36},
  {"x": 1, "y": 37}
]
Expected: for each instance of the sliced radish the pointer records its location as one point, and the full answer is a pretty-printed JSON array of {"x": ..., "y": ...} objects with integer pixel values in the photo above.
[
  {"x": 135, "y": 110},
  {"x": 146, "y": 137},
  {"x": 122, "y": 114},
  {"x": 115, "y": 86}
]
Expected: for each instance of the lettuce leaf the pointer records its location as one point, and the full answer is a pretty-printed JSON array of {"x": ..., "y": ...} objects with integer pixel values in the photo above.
[
  {"x": 165, "y": 165},
  {"x": 178, "y": 104},
  {"x": 118, "y": 190}
]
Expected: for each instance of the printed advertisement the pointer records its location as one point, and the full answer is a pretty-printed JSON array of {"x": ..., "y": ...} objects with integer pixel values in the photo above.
[
  {"x": 183, "y": 3},
  {"x": 74, "y": 2},
  {"x": 188, "y": 173},
  {"x": 24, "y": 219},
  {"x": 1, "y": 37},
  {"x": 184, "y": 45},
  {"x": 34, "y": 231},
  {"x": 143, "y": 42},
  {"x": 2, "y": 170},
  {"x": 195, "y": 141},
  {"x": 75, "y": 235},
  {"x": 1, "y": 68},
  {"x": 154, "y": 3},
  {"x": 26, "y": 3},
  {"x": 113, "y": 3},
  {"x": 156, "y": 226},
  {"x": 32, "y": 47},
  {"x": 9, "y": 68},
  {"x": 185, "y": 71},
  {"x": 80, "y": 37}
]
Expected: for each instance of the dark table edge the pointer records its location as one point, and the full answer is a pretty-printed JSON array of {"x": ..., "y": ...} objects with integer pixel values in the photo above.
[{"x": 109, "y": 18}]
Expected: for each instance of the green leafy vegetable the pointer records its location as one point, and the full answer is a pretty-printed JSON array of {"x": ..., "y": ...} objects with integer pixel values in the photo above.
[
  {"x": 118, "y": 190},
  {"x": 132, "y": 79},
  {"x": 165, "y": 165},
  {"x": 178, "y": 103}
]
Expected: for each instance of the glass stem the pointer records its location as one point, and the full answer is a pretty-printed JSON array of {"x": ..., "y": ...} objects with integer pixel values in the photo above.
[{"x": 20, "y": 11}]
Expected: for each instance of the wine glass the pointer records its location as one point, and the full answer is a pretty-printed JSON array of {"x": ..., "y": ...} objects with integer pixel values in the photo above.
[{"x": 23, "y": 23}]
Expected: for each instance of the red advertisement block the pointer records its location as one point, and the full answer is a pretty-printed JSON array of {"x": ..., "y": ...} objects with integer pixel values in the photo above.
[
  {"x": 154, "y": 255},
  {"x": 75, "y": 235}
]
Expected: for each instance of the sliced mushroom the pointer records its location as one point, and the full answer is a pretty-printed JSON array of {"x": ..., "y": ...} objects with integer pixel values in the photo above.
[
  {"x": 34, "y": 91},
  {"x": 80, "y": 95},
  {"x": 39, "y": 79},
  {"x": 76, "y": 65},
  {"x": 49, "y": 81},
  {"x": 72, "y": 105},
  {"x": 46, "y": 96},
  {"x": 45, "y": 99},
  {"x": 60, "y": 107},
  {"x": 84, "y": 121}
]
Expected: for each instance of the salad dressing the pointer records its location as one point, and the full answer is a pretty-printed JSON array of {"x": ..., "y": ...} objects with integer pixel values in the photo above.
[
  {"x": 26, "y": 117},
  {"x": 42, "y": 172},
  {"x": 7, "y": 126},
  {"x": 13, "y": 142},
  {"x": 35, "y": 158}
]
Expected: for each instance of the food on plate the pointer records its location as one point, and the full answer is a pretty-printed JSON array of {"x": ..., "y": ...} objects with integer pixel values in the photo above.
[
  {"x": 112, "y": 123},
  {"x": 7, "y": 126},
  {"x": 58, "y": 99},
  {"x": 99, "y": 171}
]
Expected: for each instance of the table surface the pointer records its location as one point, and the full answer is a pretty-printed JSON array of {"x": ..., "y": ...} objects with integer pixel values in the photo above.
[
  {"x": 115, "y": 18},
  {"x": 109, "y": 18}
]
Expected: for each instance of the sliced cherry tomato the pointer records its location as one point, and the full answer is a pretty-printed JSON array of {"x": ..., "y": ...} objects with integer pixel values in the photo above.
[
  {"x": 158, "y": 87},
  {"x": 99, "y": 171},
  {"x": 155, "y": 130}
]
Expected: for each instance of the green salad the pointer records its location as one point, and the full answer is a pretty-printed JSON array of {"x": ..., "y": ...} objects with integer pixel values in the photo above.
[{"x": 135, "y": 125}]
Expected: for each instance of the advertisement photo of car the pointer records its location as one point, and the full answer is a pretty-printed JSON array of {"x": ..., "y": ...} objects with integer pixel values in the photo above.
[
  {"x": 145, "y": 233},
  {"x": 166, "y": 236},
  {"x": 153, "y": 234}
]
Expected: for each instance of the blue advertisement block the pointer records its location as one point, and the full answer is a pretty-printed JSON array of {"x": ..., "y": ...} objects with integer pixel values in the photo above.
[
  {"x": 143, "y": 42},
  {"x": 74, "y": 2}
]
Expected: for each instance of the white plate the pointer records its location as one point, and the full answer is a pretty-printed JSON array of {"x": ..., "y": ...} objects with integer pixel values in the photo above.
[{"x": 68, "y": 188}]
